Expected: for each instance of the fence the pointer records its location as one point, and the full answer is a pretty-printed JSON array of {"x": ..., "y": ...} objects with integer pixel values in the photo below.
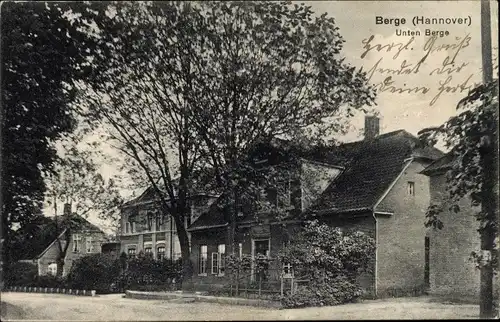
[{"x": 267, "y": 282}]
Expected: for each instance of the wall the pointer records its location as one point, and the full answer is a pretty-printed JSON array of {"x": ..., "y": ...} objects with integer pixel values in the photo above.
[
  {"x": 277, "y": 235},
  {"x": 401, "y": 236},
  {"x": 212, "y": 238},
  {"x": 315, "y": 178},
  {"x": 164, "y": 235},
  {"x": 51, "y": 254},
  {"x": 451, "y": 271}
]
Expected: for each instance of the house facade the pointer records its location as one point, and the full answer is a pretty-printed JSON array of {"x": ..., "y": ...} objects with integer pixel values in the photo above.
[
  {"x": 143, "y": 228},
  {"x": 453, "y": 273},
  {"x": 44, "y": 248},
  {"x": 374, "y": 185}
]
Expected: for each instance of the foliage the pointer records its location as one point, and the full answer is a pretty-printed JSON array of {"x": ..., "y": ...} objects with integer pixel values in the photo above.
[
  {"x": 20, "y": 274},
  {"x": 41, "y": 56},
  {"x": 94, "y": 272},
  {"x": 339, "y": 290},
  {"x": 148, "y": 271},
  {"x": 331, "y": 260},
  {"x": 472, "y": 137},
  {"x": 106, "y": 273},
  {"x": 235, "y": 263},
  {"x": 26, "y": 274},
  {"x": 181, "y": 86}
]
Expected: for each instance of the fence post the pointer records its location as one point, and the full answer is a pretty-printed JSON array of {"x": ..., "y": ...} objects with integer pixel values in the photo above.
[
  {"x": 260, "y": 283},
  {"x": 238, "y": 282},
  {"x": 281, "y": 286},
  {"x": 248, "y": 285},
  {"x": 231, "y": 285}
]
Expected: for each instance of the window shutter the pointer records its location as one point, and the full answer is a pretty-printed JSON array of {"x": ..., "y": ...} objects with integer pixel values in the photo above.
[{"x": 222, "y": 258}]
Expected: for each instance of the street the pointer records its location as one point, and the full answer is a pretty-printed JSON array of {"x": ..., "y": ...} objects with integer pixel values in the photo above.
[{"x": 32, "y": 306}]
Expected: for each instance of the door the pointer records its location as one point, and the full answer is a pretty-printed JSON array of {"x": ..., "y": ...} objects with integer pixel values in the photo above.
[{"x": 259, "y": 247}]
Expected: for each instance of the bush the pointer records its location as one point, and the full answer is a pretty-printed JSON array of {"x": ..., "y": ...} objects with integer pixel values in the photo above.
[
  {"x": 341, "y": 290},
  {"x": 331, "y": 260},
  {"x": 98, "y": 272},
  {"x": 144, "y": 271},
  {"x": 21, "y": 274},
  {"x": 106, "y": 274},
  {"x": 26, "y": 274},
  {"x": 50, "y": 281}
]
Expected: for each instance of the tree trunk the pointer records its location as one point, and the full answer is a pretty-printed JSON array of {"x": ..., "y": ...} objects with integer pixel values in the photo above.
[
  {"x": 187, "y": 267},
  {"x": 60, "y": 266}
]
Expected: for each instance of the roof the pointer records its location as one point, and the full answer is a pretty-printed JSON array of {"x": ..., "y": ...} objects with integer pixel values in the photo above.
[
  {"x": 369, "y": 169},
  {"x": 439, "y": 166},
  {"x": 202, "y": 182},
  {"x": 41, "y": 232}
]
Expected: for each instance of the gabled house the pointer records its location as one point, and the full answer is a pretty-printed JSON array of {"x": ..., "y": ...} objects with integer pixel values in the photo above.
[
  {"x": 374, "y": 185},
  {"x": 41, "y": 247},
  {"x": 144, "y": 228}
]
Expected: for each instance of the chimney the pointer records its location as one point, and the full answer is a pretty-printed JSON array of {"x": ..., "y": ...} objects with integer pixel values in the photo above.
[
  {"x": 372, "y": 127},
  {"x": 67, "y": 210}
]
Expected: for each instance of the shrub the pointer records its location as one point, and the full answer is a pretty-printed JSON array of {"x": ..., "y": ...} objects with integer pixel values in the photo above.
[
  {"x": 331, "y": 260},
  {"x": 144, "y": 271},
  {"x": 98, "y": 272},
  {"x": 21, "y": 274},
  {"x": 50, "y": 281}
]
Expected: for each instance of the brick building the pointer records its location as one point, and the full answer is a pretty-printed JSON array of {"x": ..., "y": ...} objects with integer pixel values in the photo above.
[
  {"x": 42, "y": 249},
  {"x": 374, "y": 185},
  {"x": 453, "y": 273},
  {"x": 143, "y": 228}
]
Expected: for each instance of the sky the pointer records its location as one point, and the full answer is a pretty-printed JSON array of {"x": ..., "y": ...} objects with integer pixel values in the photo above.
[
  {"x": 412, "y": 111},
  {"x": 412, "y": 98}
]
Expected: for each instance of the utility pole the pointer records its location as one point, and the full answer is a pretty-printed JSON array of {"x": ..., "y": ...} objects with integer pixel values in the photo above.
[{"x": 488, "y": 204}]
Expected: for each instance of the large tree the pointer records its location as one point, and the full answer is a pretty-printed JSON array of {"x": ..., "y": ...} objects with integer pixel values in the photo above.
[
  {"x": 182, "y": 86},
  {"x": 265, "y": 70},
  {"x": 41, "y": 54}
]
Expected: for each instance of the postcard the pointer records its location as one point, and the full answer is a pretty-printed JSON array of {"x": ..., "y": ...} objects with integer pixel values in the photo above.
[{"x": 249, "y": 160}]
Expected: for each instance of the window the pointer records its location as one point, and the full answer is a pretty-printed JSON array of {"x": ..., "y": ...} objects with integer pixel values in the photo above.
[
  {"x": 150, "y": 221},
  {"x": 127, "y": 227},
  {"x": 222, "y": 259},
  {"x": 76, "y": 242},
  {"x": 287, "y": 270},
  {"x": 131, "y": 252},
  {"x": 411, "y": 188},
  {"x": 159, "y": 222},
  {"x": 88, "y": 243},
  {"x": 148, "y": 251},
  {"x": 261, "y": 247},
  {"x": 215, "y": 263},
  {"x": 202, "y": 263},
  {"x": 161, "y": 252},
  {"x": 218, "y": 259},
  {"x": 133, "y": 227},
  {"x": 52, "y": 269}
]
